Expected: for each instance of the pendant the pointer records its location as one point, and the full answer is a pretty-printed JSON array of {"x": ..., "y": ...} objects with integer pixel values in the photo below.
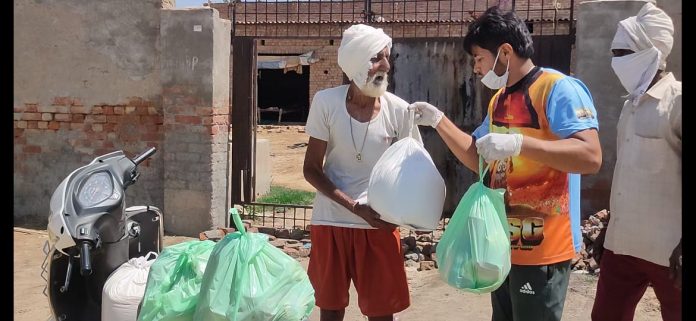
[{"x": 358, "y": 157}]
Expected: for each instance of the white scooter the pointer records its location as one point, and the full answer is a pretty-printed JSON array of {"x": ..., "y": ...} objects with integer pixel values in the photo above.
[{"x": 91, "y": 233}]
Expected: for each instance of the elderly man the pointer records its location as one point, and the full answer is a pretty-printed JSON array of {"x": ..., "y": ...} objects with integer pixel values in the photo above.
[
  {"x": 643, "y": 239},
  {"x": 350, "y": 127}
]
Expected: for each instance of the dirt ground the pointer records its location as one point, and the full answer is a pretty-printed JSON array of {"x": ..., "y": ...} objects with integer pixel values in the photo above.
[{"x": 431, "y": 298}]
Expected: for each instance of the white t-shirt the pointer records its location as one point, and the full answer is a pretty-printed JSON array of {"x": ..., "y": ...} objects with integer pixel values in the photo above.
[{"x": 329, "y": 121}]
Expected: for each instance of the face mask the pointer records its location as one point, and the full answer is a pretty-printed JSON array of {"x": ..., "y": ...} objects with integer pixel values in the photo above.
[
  {"x": 636, "y": 71},
  {"x": 493, "y": 81}
]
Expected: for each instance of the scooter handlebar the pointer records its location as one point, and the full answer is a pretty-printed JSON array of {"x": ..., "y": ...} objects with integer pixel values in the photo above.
[
  {"x": 85, "y": 259},
  {"x": 140, "y": 158}
]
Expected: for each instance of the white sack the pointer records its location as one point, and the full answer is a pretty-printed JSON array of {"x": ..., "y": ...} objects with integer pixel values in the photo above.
[{"x": 125, "y": 288}]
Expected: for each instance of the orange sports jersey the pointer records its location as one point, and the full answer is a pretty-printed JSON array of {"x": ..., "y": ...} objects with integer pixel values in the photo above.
[{"x": 537, "y": 196}]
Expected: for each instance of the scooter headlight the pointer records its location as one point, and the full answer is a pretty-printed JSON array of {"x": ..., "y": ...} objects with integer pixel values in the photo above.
[{"x": 96, "y": 189}]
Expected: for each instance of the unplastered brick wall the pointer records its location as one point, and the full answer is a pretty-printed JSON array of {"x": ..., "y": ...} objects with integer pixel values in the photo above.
[
  {"x": 51, "y": 140},
  {"x": 324, "y": 73}
]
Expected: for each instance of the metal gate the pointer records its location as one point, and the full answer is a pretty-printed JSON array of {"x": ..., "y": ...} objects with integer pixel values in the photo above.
[{"x": 413, "y": 22}]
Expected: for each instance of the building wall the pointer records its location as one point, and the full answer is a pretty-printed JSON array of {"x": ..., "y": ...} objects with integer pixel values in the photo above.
[
  {"x": 86, "y": 82},
  {"x": 95, "y": 77}
]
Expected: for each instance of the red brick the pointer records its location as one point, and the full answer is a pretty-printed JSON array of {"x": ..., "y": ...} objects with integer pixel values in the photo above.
[
  {"x": 109, "y": 127},
  {"x": 47, "y": 109},
  {"x": 108, "y": 144},
  {"x": 97, "y": 127},
  {"x": 152, "y": 129},
  {"x": 18, "y": 109},
  {"x": 62, "y": 101},
  {"x": 151, "y": 137},
  {"x": 152, "y": 111},
  {"x": 46, "y": 116},
  {"x": 31, "y": 116},
  {"x": 193, "y": 120},
  {"x": 30, "y": 108},
  {"x": 206, "y": 120},
  {"x": 221, "y": 119},
  {"x": 76, "y": 126},
  {"x": 54, "y": 125},
  {"x": 78, "y": 110},
  {"x": 21, "y": 124},
  {"x": 204, "y": 111},
  {"x": 62, "y": 117},
  {"x": 62, "y": 109},
  {"x": 31, "y": 149},
  {"x": 113, "y": 119},
  {"x": 108, "y": 110},
  {"x": 130, "y": 109},
  {"x": 64, "y": 125},
  {"x": 78, "y": 118},
  {"x": 96, "y": 110},
  {"x": 18, "y": 132},
  {"x": 148, "y": 120},
  {"x": 119, "y": 110},
  {"x": 76, "y": 102},
  {"x": 32, "y": 124},
  {"x": 95, "y": 118}
]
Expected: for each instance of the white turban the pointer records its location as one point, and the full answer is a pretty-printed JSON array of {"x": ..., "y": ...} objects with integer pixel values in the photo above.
[
  {"x": 652, "y": 27},
  {"x": 360, "y": 43}
]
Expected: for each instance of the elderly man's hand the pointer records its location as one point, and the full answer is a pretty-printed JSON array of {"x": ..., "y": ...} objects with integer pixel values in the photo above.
[
  {"x": 371, "y": 217},
  {"x": 675, "y": 266},
  {"x": 496, "y": 146},
  {"x": 426, "y": 114}
]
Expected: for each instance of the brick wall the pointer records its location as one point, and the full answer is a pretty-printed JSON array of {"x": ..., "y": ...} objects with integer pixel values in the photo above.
[
  {"x": 323, "y": 74},
  {"x": 52, "y": 140}
]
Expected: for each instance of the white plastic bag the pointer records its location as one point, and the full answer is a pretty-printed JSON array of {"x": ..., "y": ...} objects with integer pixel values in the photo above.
[
  {"x": 124, "y": 289},
  {"x": 405, "y": 187}
]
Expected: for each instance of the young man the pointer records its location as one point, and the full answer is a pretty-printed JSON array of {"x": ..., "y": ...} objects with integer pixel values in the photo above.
[
  {"x": 643, "y": 239},
  {"x": 350, "y": 127},
  {"x": 540, "y": 133}
]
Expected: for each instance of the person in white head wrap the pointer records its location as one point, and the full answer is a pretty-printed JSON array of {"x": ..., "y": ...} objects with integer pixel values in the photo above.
[
  {"x": 641, "y": 245},
  {"x": 359, "y": 46},
  {"x": 649, "y": 36},
  {"x": 349, "y": 129}
]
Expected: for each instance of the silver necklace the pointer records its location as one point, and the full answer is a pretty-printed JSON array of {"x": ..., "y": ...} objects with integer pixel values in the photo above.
[{"x": 358, "y": 154}]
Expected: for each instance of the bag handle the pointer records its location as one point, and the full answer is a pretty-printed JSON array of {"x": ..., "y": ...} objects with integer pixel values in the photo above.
[
  {"x": 237, "y": 220},
  {"x": 482, "y": 171},
  {"x": 411, "y": 122}
]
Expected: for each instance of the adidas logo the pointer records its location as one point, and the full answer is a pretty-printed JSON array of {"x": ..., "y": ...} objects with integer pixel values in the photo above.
[{"x": 526, "y": 289}]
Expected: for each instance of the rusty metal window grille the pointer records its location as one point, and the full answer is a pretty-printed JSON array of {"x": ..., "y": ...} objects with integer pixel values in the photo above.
[{"x": 398, "y": 18}]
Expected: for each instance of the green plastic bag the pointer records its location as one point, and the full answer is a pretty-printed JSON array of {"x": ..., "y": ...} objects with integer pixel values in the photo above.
[
  {"x": 174, "y": 282},
  {"x": 474, "y": 252},
  {"x": 248, "y": 279}
]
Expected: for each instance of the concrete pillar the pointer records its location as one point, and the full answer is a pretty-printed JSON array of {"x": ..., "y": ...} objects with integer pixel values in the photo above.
[
  {"x": 597, "y": 21},
  {"x": 194, "y": 62}
]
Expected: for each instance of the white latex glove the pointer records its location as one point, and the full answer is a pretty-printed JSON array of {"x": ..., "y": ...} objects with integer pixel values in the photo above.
[
  {"x": 495, "y": 146},
  {"x": 426, "y": 114}
]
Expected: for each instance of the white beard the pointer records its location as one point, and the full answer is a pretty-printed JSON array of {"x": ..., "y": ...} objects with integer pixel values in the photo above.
[{"x": 375, "y": 87}]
